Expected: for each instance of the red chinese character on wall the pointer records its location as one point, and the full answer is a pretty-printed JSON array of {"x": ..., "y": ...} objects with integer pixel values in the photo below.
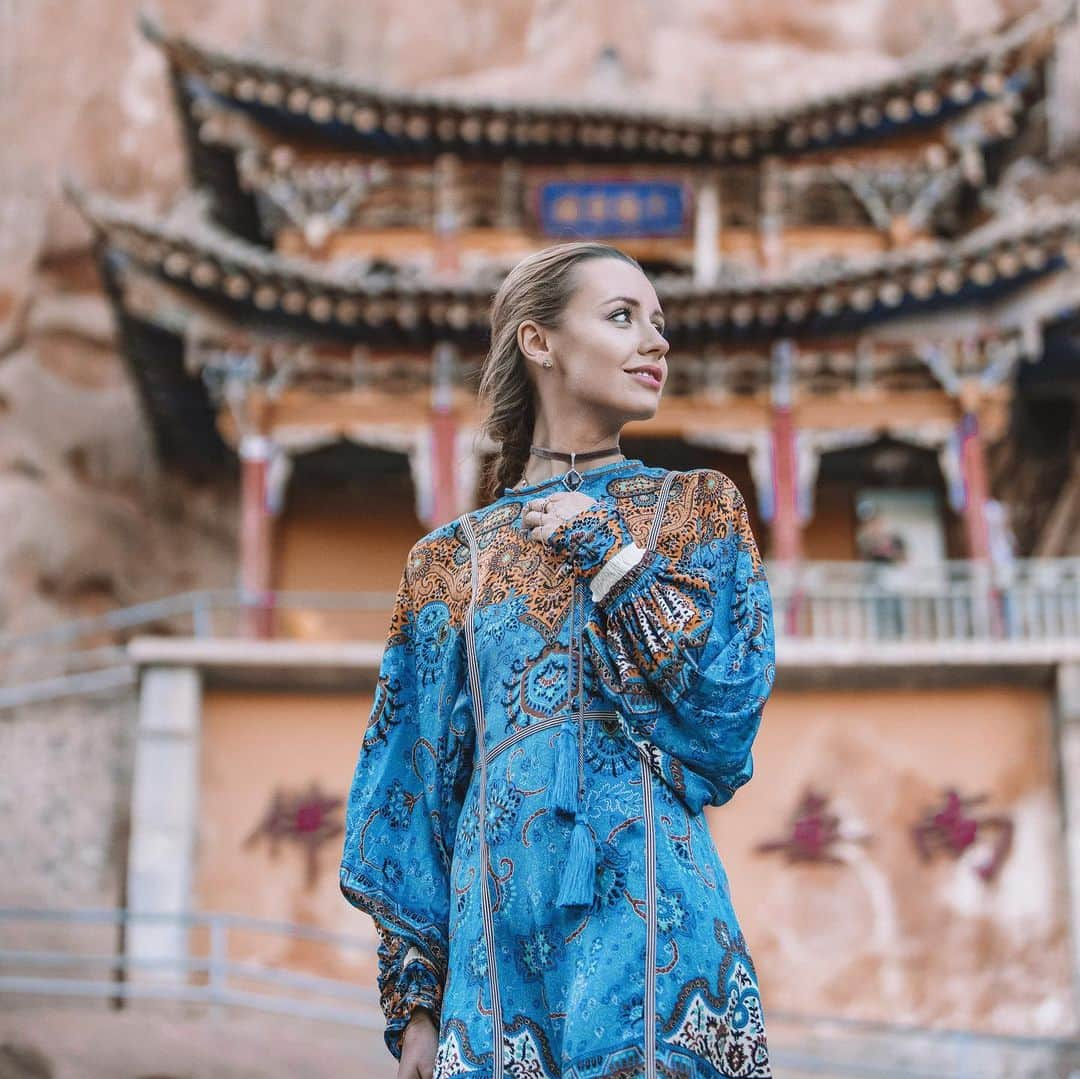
[
  {"x": 308, "y": 818},
  {"x": 952, "y": 829},
  {"x": 813, "y": 832}
]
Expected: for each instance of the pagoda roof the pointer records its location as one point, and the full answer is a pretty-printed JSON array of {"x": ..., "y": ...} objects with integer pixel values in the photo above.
[
  {"x": 373, "y": 303},
  {"x": 308, "y": 100}
]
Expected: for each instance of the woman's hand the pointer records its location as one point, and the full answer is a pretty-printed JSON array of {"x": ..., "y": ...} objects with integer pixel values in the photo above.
[
  {"x": 419, "y": 1044},
  {"x": 542, "y": 516}
]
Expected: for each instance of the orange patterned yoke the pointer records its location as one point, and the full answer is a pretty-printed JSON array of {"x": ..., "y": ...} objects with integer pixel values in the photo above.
[{"x": 525, "y": 822}]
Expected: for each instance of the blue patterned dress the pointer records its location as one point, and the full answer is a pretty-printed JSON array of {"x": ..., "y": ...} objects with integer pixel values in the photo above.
[{"x": 604, "y": 944}]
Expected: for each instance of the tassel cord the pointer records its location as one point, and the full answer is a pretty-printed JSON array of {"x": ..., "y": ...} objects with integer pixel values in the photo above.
[{"x": 564, "y": 795}]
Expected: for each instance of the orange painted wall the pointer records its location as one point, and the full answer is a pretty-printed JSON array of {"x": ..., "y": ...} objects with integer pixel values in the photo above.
[
  {"x": 254, "y": 744},
  {"x": 881, "y": 936},
  {"x": 884, "y": 936}
]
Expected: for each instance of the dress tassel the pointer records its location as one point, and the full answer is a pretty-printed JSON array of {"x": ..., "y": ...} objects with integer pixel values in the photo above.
[
  {"x": 578, "y": 883},
  {"x": 563, "y": 793}
]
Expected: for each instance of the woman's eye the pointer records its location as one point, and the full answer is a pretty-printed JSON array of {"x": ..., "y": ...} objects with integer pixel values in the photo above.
[
  {"x": 659, "y": 328},
  {"x": 622, "y": 311}
]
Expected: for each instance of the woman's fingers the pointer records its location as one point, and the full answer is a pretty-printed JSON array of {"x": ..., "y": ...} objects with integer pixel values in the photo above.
[
  {"x": 417, "y": 1065},
  {"x": 540, "y": 517}
]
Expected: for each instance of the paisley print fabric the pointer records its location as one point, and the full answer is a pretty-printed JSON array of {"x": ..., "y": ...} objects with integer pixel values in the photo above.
[{"x": 652, "y": 977}]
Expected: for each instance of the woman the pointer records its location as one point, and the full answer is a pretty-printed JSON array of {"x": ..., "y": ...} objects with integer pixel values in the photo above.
[{"x": 602, "y": 631}]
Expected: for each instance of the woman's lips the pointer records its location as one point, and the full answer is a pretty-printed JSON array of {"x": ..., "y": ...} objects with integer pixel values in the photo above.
[{"x": 649, "y": 378}]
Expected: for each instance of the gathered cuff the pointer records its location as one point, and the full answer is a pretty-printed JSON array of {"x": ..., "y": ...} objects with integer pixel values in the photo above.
[
  {"x": 408, "y": 979},
  {"x": 636, "y": 581},
  {"x": 420, "y": 988},
  {"x": 592, "y": 537}
]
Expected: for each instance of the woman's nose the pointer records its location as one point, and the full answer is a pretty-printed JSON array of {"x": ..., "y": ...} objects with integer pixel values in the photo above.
[{"x": 655, "y": 342}]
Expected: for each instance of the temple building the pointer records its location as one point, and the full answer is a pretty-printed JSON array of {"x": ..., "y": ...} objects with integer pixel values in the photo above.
[{"x": 872, "y": 301}]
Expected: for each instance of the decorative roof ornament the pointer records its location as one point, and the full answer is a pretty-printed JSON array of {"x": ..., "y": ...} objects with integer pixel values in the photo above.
[
  {"x": 317, "y": 199},
  {"x": 895, "y": 193}
]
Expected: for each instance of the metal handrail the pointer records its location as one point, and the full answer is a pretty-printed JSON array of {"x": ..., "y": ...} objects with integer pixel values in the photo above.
[
  {"x": 83, "y": 683},
  {"x": 1035, "y": 600},
  {"x": 198, "y": 605},
  {"x": 825, "y": 580},
  {"x": 118, "y": 916},
  {"x": 302, "y": 991},
  {"x": 897, "y": 1050},
  {"x": 988, "y": 1039}
]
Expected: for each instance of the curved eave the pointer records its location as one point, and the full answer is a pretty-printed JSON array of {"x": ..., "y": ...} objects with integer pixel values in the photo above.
[
  {"x": 256, "y": 286},
  {"x": 175, "y": 402},
  {"x": 298, "y": 99},
  {"x": 978, "y": 269}
]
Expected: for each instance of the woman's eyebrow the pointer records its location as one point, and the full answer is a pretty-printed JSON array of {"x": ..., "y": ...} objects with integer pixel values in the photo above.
[{"x": 629, "y": 301}]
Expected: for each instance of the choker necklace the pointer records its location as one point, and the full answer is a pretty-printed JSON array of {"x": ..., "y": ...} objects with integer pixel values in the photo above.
[{"x": 572, "y": 479}]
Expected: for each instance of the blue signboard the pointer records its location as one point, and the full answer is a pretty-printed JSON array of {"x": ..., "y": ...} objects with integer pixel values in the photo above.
[{"x": 612, "y": 208}]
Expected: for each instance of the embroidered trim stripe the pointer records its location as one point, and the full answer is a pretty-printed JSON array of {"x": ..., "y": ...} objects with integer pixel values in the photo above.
[
  {"x": 658, "y": 515},
  {"x": 650, "y": 920},
  {"x": 650, "y": 842},
  {"x": 485, "y": 892},
  {"x": 541, "y": 725}
]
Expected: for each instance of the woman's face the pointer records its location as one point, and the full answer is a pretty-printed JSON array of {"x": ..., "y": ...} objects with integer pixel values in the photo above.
[{"x": 609, "y": 352}]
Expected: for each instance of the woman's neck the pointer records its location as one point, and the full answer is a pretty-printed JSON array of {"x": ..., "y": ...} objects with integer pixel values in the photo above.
[{"x": 538, "y": 469}]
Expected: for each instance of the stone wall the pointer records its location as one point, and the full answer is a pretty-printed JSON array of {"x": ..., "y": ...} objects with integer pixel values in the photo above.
[{"x": 65, "y": 781}]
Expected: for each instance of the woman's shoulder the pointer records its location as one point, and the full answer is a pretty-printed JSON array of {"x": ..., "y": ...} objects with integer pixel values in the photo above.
[
  {"x": 437, "y": 567},
  {"x": 445, "y": 550},
  {"x": 700, "y": 486},
  {"x": 693, "y": 479},
  {"x": 704, "y": 503},
  {"x": 711, "y": 483}
]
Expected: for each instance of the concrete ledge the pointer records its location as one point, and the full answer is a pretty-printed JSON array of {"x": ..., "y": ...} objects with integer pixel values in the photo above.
[
  {"x": 804, "y": 652},
  {"x": 354, "y": 665},
  {"x": 327, "y": 665},
  {"x": 817, "y": 663}
]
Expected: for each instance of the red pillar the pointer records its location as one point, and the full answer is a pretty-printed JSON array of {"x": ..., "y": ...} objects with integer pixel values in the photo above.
[
  {"x": 786, "y": 529},
  {"x": 444, "y": 506},
  {"x": 987, "y": 599},
  {"x": 976, "y": 487},
  {"x": 256, "y": 536},
  {"x": 786, "y": 526}
]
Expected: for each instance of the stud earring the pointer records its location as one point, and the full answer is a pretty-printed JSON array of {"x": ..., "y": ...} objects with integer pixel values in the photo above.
[{"x": 548, "y": 363}]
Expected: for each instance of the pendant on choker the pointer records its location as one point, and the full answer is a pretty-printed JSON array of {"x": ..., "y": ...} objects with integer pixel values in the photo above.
[{"x": 572, "y": 479}]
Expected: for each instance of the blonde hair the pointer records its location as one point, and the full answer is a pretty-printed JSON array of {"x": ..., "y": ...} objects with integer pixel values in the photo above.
[{"x": 538, "y": 288}]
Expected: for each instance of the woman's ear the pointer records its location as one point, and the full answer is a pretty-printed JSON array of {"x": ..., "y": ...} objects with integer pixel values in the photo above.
[{"x": 533, "y": 343}]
